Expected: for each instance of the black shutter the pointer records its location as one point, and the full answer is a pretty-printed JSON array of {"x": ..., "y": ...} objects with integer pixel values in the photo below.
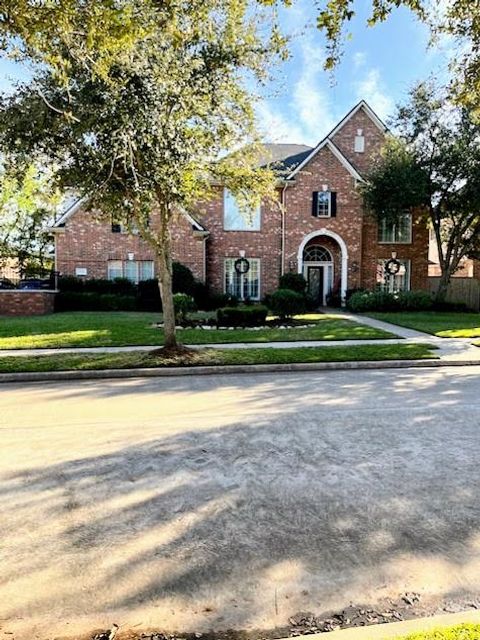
[
  {"x": 333, "y": 204},
  {"x": 116, "y": 228},
  {"x": 315, "y": 204}
]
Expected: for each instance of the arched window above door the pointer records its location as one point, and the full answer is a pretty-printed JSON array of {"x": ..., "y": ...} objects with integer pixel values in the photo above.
[{"x": 316, "y": 253}]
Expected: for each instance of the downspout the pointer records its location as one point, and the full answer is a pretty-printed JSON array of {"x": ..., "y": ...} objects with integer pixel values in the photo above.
[
  {"x": 282, "y": 242},
  {"x": 205, "y": 259}
]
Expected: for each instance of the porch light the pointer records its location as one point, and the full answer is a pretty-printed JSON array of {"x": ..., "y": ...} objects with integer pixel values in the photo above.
[
  {"x": 131, "y": 256},
  {"x": 324, "y": 187},
  {"x": 394, "y": 255},
  {"x": 242, "y": 253}
]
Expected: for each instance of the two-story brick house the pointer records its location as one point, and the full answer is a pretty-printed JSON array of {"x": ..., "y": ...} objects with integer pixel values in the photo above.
[{"x": 318, "y": 227}]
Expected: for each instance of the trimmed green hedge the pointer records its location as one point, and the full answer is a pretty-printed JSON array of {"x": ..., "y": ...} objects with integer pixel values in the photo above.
[
  {"x": 287, "y": 303},
  {"x": 253, "y": 316},
  {"x": 77, "y": 301},
  {"x": 363, "y": 301}
]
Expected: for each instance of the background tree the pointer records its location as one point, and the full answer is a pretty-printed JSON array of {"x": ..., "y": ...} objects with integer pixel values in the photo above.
[
  {"x": 27, "y": 205},
  {"x": 150, "y": 131},
  {"x": 434, "y": 166}
]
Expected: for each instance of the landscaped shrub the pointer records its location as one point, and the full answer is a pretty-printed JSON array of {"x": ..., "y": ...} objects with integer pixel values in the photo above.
[
  {"x": 183, "y": 305},
  {"x": 372, "y": 301},
  {"x": 287, "y": 303},
  {"x": 414, "y": 300},
  {"x": 363, "y": 301},
  {"x": 90, "y": 301},
  {"x": 293, "y": 281},
  {"x": 183, "y": 280},
  {"x": 217, "y": 300},
  {"x": 148, "y": 296},
  {"x": 253, "y": 316},
  {"x": 119, "y": 286}
]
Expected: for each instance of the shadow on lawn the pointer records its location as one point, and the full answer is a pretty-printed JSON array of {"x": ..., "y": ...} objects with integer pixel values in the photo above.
[{"x": 311, "y": 496}]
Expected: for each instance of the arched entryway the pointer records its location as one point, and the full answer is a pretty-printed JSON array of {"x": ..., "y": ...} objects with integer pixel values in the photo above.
[{"x": 323, "y": 261}]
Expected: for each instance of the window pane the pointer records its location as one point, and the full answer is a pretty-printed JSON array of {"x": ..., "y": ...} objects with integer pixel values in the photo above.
[
  {"x": 235, "y": 220},
  {"x": 245, "y": 285},
  {"x": 114, "y": 269},
  {"x": 252, "y": 281},
  {"x": 393, "y": 283},
  {"x": 131, "y": 270},
  {"x": 398, "y": 231},
  {"x": 146, "y": 270},
  {"x": 323, "y": 204}
]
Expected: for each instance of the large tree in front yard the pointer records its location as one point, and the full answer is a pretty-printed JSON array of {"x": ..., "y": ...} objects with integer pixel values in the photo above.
[
  {"x": 145, "y": 137},
  {"x": 433, "y": 166},
  {"x": 28, "y": 202}
]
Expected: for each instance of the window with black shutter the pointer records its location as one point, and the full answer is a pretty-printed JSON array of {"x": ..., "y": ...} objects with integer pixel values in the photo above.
[
  {"x": 116, "y": 227},
  {"x": 324, "y": 204}
]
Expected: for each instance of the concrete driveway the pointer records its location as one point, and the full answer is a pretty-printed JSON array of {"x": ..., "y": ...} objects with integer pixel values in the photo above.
[{"x": 234, "y": 501}]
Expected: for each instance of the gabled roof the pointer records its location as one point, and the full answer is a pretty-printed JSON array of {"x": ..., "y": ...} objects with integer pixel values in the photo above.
[
  {"x": 283, "y": 157},
  {"x": 370, "y": 113},
  {"x": 328, "y": 142}
]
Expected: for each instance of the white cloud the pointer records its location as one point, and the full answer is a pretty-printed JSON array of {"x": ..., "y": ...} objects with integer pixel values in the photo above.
[
  {"x": 310, "y": 101},
  {"x": 307, "y": 113},
  {"x": 359, "y": 59},
  {"x": 274, "y": 126},
  {"x": 371, "y": 89}
]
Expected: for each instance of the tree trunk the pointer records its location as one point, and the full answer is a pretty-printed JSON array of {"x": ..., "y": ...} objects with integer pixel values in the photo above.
[
  {"x": 165, "y": 283},
  {"x": 441, "y": 293}
]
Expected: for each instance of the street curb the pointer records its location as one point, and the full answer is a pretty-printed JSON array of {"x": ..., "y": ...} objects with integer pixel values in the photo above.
[
  {"x": 167, "y": 372},
  {"x": 400, "y": 629}
]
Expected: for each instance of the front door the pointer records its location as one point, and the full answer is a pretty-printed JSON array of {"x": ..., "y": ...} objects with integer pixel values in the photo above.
[{"x": 315, "y": 284}]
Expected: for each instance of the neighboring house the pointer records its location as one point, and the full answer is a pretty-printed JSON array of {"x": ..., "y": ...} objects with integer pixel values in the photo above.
[{"x": 321, "y": 229}]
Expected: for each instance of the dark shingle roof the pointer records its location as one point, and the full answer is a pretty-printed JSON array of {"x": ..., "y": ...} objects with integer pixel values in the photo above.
[{"x": 284, "y": 157}]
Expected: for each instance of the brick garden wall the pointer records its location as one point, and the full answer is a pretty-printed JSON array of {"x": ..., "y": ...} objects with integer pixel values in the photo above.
[{"x": 22, "y": 302}]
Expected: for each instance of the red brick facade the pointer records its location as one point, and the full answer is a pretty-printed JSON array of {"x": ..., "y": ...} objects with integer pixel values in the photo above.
[
  {"x": 351, "y": 236},
  {"x": 22, "y": 302}
]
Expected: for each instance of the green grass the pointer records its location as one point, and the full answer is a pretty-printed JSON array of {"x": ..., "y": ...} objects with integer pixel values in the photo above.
[
  {"x": 206, "y": 356},
  {"x": 462, "y": 632},
  {"x": 92, "y": 329},
  {"x": 443, "y": 324}
]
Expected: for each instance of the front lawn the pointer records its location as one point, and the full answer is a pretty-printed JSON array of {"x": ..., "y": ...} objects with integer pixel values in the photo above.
[
  {"x": 462, "y": 632},
  {"x": 92, "y": 329},
  {"x": 139, "y": 359},
  {"x": 443, "y": 324}
]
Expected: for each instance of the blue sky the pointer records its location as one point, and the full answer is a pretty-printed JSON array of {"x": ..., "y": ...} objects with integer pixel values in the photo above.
[{"x": 380, "y": 64}]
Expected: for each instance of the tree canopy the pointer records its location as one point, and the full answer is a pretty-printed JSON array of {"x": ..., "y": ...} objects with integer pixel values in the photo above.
[
  {"x": 28, "y": 203},
  {"x": 154, "y": 128},
  {"x": 433, "y": 166}
]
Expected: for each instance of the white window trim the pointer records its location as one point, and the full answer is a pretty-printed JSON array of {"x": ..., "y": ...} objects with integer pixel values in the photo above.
[
  {"x": 259, "y": 271},
  {"x": 258, "y": 212},
  {"x": 409, "y": 241},
  {"x": 329, "y": 213}
]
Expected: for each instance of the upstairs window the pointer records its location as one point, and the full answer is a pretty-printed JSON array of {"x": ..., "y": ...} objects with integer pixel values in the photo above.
[
  {"x": 398, "y": 231},
  {"x": 324, "y": 204},
  {"x": 236, "y": 220}
]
